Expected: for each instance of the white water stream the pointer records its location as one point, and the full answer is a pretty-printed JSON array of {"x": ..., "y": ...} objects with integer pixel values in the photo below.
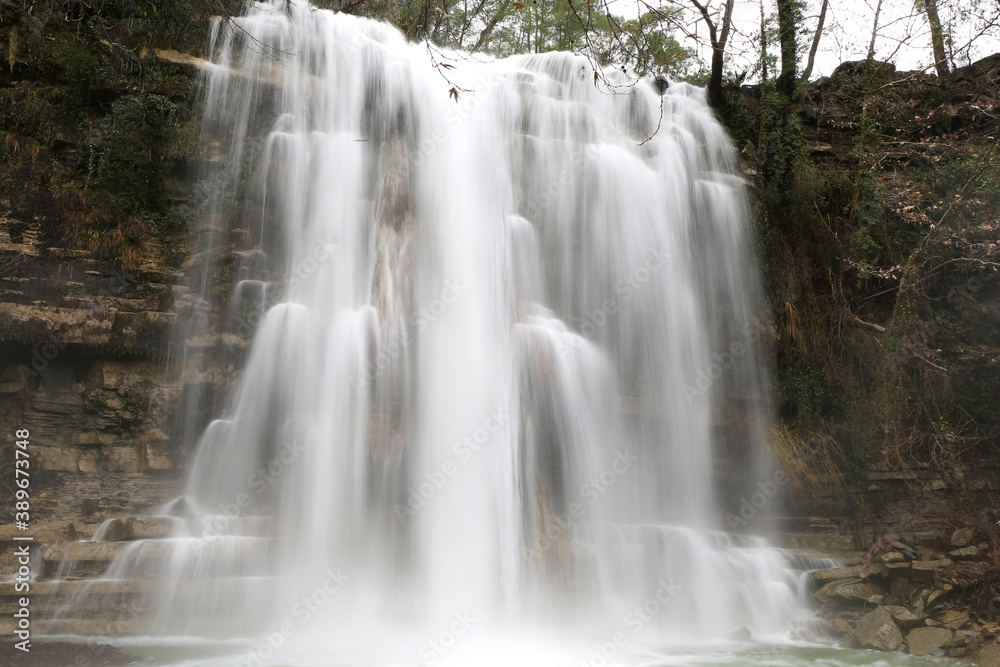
[{"x": 478, "y": 424}]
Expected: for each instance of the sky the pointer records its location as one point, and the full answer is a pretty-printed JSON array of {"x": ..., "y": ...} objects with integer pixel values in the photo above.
[{"x": 903, "y": 35}]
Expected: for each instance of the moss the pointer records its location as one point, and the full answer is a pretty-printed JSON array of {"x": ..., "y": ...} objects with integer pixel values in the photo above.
[
  {"x": 132, "y": 173},
  {"x": 877, "y": 233},
  {"x": 142, "y": 334}
]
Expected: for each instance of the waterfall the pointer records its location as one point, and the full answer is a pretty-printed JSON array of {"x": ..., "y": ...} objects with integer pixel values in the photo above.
[{"x": 506, "y": 305}]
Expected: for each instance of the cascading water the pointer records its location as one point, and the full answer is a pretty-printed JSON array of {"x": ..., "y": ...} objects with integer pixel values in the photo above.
[{"x": 485, "y": 397}]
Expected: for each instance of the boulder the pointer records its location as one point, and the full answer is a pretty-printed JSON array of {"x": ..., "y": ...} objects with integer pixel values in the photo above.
[
  {"x": 954, "y": 620},
  {"x": 854, "y": 591},
  {"x": 138, "y": 528},
  {"x": 903, "y": 617},
  {"x": 901, "y": 588},
  {"x": 962, "y": 537},
  {"x": 906, "y": 550},
  {"x": 965, "y": 553},
  {"x": 938, "y": 595},
  {"x": 840, "y": 627},
  {"x": 924, "y": 570},
  {"x": 922, "y": 641},
  {"x": 852, "y": 572},
  {"x": 988, "y": 656},
  {"x": 877, "y": 630},
  {"x": 892, "y": 557}
]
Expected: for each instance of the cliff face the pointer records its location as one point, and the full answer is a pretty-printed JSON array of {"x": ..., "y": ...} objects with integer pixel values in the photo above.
[
  {"x": 83, "y": 353},
  {"x": 99, "y": 147},
  {"x": 877, "y": 205}
]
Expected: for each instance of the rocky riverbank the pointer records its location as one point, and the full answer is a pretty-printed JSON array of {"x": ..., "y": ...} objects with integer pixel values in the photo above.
[{"x": 926, "y": 596}]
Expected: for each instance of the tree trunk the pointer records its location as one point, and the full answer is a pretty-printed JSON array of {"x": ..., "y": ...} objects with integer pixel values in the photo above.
[
  {"x": 815, "y": 43},
  {"x": 715, "y": 80},
  {"x": 763, "y": 43},
  {"x": 871, "y": 44},
  {"x": 718, "y": 38},
  {"x": 788, "y": 20},
  {"x": 937, "y": 37}
]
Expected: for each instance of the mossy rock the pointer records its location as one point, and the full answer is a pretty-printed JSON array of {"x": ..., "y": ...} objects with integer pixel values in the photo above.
[{"x": 145, "y": 334}]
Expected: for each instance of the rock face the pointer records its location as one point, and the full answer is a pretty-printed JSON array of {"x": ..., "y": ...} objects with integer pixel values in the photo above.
[
  {"x": 877, "y": 630},
  {"x": 83, "y": 352}
]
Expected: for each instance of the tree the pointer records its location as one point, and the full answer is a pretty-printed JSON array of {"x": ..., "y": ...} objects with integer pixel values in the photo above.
[
  {"x": 718, "y": 36},
  {"x": 807, "y": 72},
  {"x": 937, "y": 36},
  {"x": 789, "y": 16}
]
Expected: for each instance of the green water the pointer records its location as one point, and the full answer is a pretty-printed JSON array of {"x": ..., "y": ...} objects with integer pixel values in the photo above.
[{"x": 721, "y": 654}]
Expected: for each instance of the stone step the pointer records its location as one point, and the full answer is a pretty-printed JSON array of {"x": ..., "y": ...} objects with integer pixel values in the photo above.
[
  {"x": 93, "y": 586},
  {"x": 98, "y": 599},
  {"x": 76, "y": 561},
  {"x": 137, "y": 528},
  {"x": 137, "y": 625}
]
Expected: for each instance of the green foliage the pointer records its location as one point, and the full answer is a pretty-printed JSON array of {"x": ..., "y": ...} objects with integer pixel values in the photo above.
[
  {"x": 647, "y": 44},
  {"x": 95, "y": 124},
  {"x": 880, "y": 289},
  {"x": 500, "y": 27},
  {"x": 128, "y": 158}
]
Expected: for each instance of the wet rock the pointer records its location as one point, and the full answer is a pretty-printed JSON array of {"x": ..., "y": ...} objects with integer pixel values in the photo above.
[
  {"x": 967, "y": 553},
  {"x": 938, "y": 595},
  {"x": 138, "y": 528},
  {"x": 954, "y": 620},
  {"x": 853, "y": 572},
  {"x": 81, "y": 551},
  {"x": 854, "y": 591},
  {"x": 987, "y": 656},
  {"x": 924, "y": 570},
  {"x": 903, "y": 617},
  {"x": 891, "y": 557},
  {"x": 924, "y": 640},
  {"x": 962, "y": 537},
  {"x": 905, "y": 549},
  {"x": 840, "y": 628},
  {"x": 878, "y": 630},
  {"x": 901, "y": 588}
]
